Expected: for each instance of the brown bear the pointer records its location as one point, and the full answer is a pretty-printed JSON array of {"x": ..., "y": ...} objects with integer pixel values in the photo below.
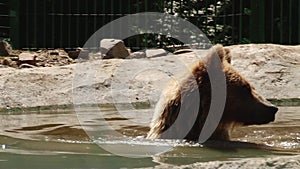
[{"x": 242, "y": 105}]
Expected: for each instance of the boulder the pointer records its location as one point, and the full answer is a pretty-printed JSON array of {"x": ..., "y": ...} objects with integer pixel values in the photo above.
[
  {"x": 5, "y": 48},
  {"x": 113, "y": 48},
  {"x": 273, "y": 70}
]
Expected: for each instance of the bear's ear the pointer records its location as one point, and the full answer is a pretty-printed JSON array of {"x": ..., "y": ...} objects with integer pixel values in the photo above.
[
  {"x": 218, "y": 51},
  {"x": 228, "y": 55}
]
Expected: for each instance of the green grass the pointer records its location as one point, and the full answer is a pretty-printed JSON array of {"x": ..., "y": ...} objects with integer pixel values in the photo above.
[
  {"x": 286, "y": 102},
  {"x": 55, "y": 108}
]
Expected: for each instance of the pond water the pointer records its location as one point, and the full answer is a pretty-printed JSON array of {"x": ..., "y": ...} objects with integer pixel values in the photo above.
[{"x": 83, "y": 139}]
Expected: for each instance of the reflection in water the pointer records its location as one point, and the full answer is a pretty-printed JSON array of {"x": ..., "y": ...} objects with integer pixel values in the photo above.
[{"x": 58, "y": 136}]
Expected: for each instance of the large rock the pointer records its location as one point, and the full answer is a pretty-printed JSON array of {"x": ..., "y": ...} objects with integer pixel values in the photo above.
[
  {"x": 272, "y": 69},
  {"x": 113, "y": 48},
  {"x": 5, "y": 48}
]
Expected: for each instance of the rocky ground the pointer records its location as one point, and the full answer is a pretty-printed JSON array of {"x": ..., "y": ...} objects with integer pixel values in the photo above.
[
  {"x": 57, "y": 79},
  {"x": 284, "y": 162}
]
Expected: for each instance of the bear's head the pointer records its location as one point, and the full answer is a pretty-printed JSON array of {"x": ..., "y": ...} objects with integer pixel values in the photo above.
[
  {"x": 184, "y": 105},
  {"x": 243, "y": 104}
]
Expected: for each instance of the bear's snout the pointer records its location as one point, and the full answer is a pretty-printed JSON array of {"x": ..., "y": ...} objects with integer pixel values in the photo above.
[
  {"x": 264, "y": 116},
  {"x": 272, "y": 110}
]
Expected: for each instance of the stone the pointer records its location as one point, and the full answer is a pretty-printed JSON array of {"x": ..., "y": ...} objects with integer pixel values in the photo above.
[
  {"x": 113, "y": 48},
  {"x": 23, "y": 57},
  {"x": 73, "y": 54},
  {"x": 79, "y": 52},
  {"x": 5, "y": 48},
  {"x": 28, "y": 58},
  {"x": 25, "y": 65},
  {"x": 7, "y": 62},
  {"x": 14, "y": 58},
  {"x": 181, "y": 51},
  {"x": 150, "y": 53},
  {"x": 54, "y": 53},
  {"x": 10, "y": 62},
  {"x": 96, "y": 56},
  {"x": 137, "y": 55}
]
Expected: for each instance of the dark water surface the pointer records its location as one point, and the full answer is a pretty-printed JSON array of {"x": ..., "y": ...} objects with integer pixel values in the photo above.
[{"x": 56, "y": 139}]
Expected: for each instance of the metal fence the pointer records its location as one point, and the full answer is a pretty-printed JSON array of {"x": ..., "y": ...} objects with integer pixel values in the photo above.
[
  {"x": 65, "y": 23},
  {"x": 69, "y": 23}
]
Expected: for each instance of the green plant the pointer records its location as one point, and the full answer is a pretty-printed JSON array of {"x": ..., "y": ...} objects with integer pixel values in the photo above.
[{"x": 205, "y": 14}]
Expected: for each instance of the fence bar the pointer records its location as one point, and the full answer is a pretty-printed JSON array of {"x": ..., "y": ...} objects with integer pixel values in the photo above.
[
  {"x": 272, "y": 21},
  {"x": 290, "y": 20},
  {"x": 298, "y": 22},
  {"x": 206, "y": 18},
  {"x": 77, "y": 22},
  {"x": 35, "y": 29},
  {"x": 14, "y": 31},
  {"x": 69, "y": 23},
  {"x": 216, "y": 16},
  {"x": 53, "y": 24},
  {"x": 241, "y": 21},
  {"x": 61, "y": 17},
  {"x": 27, "y": 30},
  {"x": 103, "y": 18},
  {"x": 86, "y": 22},
  {"x": 224, "y": 18},
  {"x": 232, "y": 19},
  {"x": 111, "y": 4},
  {"x": 44, "y": 24},
  {"x": 281, "y": 21},
  {"x": 257, "y": 21},
  {"x": 95, "y": 2}
]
